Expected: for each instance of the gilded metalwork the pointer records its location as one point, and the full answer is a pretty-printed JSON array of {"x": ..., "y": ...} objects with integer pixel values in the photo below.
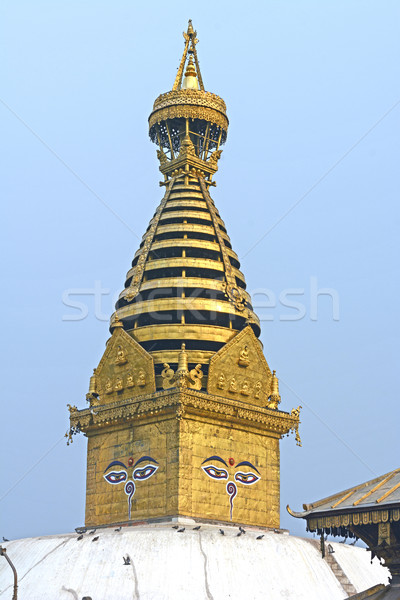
[
  {"x": 274, "y": 398},
  {"x": 182, "y": 378},
  {"x": 240, "y": 369},
  {"x": 183, "y": 371},
  {"x": 137, "y": 276},
  {"x": 232, "y": 291},
  {"x": 125, "y": 369}
]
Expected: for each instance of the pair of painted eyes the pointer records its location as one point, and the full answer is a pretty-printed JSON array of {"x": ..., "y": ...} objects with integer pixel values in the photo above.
[
  {"x": 115, "y": 477},
  {"x": 215, "y": 473}
]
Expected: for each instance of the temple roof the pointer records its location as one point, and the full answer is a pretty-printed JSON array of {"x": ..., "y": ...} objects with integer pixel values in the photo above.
[{"x": 379, "y": 493}]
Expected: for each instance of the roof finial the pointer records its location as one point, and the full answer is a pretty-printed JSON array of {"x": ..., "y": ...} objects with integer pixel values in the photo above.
[{"x": 190, "y": 47}]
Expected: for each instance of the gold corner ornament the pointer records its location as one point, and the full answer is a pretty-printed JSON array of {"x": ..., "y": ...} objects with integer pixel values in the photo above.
[{"x": 295, "y": 413}]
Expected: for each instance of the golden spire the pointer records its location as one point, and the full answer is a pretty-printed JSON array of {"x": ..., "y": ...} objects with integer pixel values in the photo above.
[
  {"x": 190, "y": 48},
  {"x": 190, "y": 81},
  {"x": 188, "y": 111}
]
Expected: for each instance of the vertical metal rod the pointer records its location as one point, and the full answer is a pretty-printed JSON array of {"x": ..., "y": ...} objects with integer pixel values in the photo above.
[
  {"x": 170, "y": 141},
  {"x": 206, "y": 141},
  {"x": 219, "y": 138}
]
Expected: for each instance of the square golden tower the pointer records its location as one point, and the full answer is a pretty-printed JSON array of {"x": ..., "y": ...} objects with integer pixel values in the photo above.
[{"x": 183, "y": 417}]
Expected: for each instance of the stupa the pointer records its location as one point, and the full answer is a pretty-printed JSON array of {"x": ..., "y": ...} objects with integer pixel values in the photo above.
[{"x": 183, "y": 418}]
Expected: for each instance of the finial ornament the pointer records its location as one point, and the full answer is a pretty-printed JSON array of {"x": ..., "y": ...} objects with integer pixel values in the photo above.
[
  {"x": 182, "y": 378},
  {"x": 187, "y": 123},
  {"x": 190, "y": 48},
  {"x": 274, "y": 399}
]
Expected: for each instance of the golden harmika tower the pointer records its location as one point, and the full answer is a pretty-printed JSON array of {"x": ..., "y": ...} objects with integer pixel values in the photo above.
[{"x": 183, "y": 415}]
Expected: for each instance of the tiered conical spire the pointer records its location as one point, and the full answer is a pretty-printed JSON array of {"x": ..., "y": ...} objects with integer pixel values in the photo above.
[{"x": 185, "y": 284}]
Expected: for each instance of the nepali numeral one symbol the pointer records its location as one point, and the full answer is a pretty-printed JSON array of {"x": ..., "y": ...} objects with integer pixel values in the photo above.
[
  {"x": 219, "y": 473},
  {"x": 141, "y": 473}
]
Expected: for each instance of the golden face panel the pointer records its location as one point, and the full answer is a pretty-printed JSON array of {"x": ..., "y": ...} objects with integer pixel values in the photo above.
[
  {"x": 117, "y": 473},
  {"x": 243, "y": 473}
]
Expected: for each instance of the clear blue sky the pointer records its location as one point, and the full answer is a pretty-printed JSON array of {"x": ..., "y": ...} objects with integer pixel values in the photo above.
[{"x": 305, "y": 83}]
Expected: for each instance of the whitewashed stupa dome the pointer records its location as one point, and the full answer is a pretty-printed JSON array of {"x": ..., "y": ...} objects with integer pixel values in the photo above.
[{"x": 193, "y": 564}]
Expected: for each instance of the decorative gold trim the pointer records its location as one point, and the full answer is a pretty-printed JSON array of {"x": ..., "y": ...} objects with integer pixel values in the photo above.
[
  {"x": 87, "y": 421},
  {"x": 177, "y": 331},
  {"x": 190, "y": 98},
  {"x": 356, "y": 518},
  {"x": 189, "y": 111}
]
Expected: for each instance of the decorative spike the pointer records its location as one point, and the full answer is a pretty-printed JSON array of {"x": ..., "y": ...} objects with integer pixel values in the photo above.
[
  {"x": 190, "y": 40},
  {"x": 92, "y": 383},
  {"x": 183, "y": 360},
  {"x": 274, "y": 398},
  {"x": 190, "y": 82},
  {"x": 116, "y": 321}
]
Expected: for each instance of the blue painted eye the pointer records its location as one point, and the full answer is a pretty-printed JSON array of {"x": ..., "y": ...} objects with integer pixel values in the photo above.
[
  {"x": 214, "y": 472},
  {"x": 246, "y": 478},
  {"x": 115, "y": 477},
  {"x": 144, "y": 472}
]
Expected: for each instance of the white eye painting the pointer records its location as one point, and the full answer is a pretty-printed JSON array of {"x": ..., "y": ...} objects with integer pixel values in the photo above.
[
  {"x": 220, "y": 473},
  {"x": 139, "y": 473}
]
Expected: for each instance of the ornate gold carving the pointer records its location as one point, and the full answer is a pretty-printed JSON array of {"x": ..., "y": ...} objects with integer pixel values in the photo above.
[
  {"x": 118, "y": 386},
  {"x": 187, "y": 148},
  {"x": 183, "y": 378},
  {"x": 295, "y": 414},
  {"x": 196, "y": 375},
  {"x": 245, "y": 391},
  {"x": 125, "y": 369},
  {"x": 162, "y": 157},
  {"x": 214, "y": 158},
  {"x": 72, "y": 409},
  {"x": 141, "y": 378},
  {"x": 242, "y": 360},
  {"x": 221, "y": 381},
  {"x": 120, "y": 358},
  {"x": 190, "y": 99},
  {"x": 233, "y": 385},
  {"x": 167, "y": 375},
  {"x": 189, "y": 111},
  {"x": 120, "y": 411}
]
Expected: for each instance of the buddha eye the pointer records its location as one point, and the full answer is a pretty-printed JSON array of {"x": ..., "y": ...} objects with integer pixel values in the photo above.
[
  {"x": 115, "y": 477},
  {"x": 246, "y": 478},
  {"x": 144, "y": 472},
  {"x": 214, "y": 472}
]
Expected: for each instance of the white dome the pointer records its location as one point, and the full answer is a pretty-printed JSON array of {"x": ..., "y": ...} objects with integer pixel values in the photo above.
[{"x": 167, "y": 565}]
